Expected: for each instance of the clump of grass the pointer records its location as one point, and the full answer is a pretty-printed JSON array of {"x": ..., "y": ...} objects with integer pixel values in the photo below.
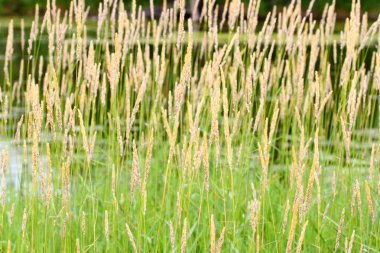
[{"x": 204, "y": 134}]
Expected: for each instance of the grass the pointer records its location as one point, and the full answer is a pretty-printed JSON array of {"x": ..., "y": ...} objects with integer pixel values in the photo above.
[{"x": 139, "y": 135}]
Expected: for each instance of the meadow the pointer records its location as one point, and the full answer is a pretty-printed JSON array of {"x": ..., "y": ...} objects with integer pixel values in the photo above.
[{"x": 190, "y": 133}]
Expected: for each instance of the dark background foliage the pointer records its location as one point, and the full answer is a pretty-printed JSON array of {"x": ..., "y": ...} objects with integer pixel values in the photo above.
[{"x": 24, "y": 7}]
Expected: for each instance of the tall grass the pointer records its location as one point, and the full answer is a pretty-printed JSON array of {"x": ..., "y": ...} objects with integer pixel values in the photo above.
[{"x": 148, "y": 135}]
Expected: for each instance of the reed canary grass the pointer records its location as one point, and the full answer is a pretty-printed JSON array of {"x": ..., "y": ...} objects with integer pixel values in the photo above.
[
  {"x": 212, "y": 235},
  {"x": 302, "y": 237},
  {"x": 369, "y": 199},
  {"x": 184, "y": 236},
  {"x": 338, "y": 234},
  {"x": 131, "y": 238},
  {"x": 220, "y": 241},
  {"x": 293, "y": 224},
  {"x": 154, "y": 128},
  {"x": 172, "y": 236}
]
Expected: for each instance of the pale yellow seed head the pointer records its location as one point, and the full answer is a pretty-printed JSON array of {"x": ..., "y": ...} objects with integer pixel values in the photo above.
[
  {"x": 106, "y": 225},
  {"x": 131, "y": 238},
  {"x": 184, "y": 236}
]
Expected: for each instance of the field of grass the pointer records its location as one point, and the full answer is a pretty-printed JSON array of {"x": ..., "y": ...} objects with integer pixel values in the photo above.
[{"x": 130, "y": 134}]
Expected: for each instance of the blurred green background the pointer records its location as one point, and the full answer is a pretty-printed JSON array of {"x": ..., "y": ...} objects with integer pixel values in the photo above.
[{"x": 24, "y": 7}]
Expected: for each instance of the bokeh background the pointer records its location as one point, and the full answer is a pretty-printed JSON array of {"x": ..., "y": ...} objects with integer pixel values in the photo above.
[{"x": 25, "y": 7}]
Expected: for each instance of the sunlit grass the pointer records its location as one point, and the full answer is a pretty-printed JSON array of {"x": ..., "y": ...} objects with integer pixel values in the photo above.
[{"x": 126, "y": 134}]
